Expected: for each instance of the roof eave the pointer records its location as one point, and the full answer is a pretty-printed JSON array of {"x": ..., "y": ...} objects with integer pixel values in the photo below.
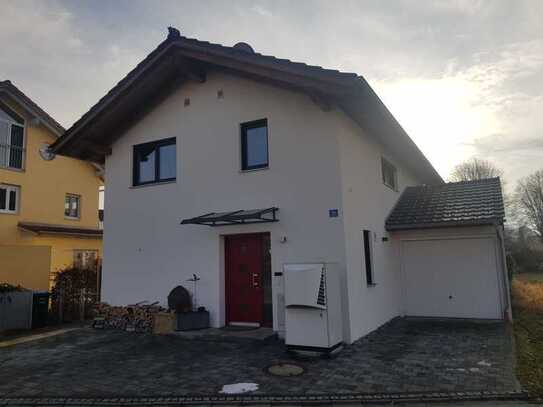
[
  {"x": 349, "y": 90},
  {"x": 44, "y": 229},
  {"x": 440, "y": 225},
  {"x": 422, "y": 165},
  {"x": 335, "y": 88},
  {"x": 21, "y": 99},
  {"x": 103, "y": 103}
]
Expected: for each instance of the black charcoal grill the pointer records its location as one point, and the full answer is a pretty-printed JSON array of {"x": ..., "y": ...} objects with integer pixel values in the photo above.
[
  {"x": 187, "y": 319},
  {"x": 179, "y": 300}
]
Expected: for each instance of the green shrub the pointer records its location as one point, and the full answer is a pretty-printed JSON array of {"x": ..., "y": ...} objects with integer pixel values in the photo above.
[{"x": 74, "y": 294}]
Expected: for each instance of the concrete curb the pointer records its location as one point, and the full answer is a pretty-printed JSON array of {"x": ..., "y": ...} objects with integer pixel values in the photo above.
[
  {"x": 31, "y": 338},
  {"x": 285, "y": 400}
]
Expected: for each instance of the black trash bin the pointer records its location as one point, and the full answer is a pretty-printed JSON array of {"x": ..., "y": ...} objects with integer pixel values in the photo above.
[{"x": 40, "y": 309}]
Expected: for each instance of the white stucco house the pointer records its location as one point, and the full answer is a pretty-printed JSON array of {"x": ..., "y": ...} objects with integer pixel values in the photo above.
[{"x": 229, "y": 164}]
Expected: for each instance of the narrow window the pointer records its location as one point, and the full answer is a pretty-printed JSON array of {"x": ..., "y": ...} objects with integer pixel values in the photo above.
[
  {"x": 155, "y": 162},
  {"x": 254, "y": 145},
  {"x": 368, "y": 257},
  {"x": 11, "y": 139},
  {"x": 72, "y": 206},
  {"x": 389, "y": 174},
  {"x": 9, "y": 198}
]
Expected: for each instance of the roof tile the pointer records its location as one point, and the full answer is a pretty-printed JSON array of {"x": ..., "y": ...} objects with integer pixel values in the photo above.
[{"x": 454, "y": 204}]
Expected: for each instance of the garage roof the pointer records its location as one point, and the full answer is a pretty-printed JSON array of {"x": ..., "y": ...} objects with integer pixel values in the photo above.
[
  {"x": 466, "y": 203},
  {"x": 179, "y": 59}
]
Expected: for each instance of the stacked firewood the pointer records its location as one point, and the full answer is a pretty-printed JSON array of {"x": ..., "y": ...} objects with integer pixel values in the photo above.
[{"x": 133, "y": 318}]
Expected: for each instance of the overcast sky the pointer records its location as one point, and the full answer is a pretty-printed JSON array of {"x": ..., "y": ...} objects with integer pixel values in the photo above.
[{"x": 464, "y": 78}]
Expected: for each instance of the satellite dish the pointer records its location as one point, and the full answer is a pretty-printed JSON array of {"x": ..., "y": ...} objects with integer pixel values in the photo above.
[
  {"x": 244, "y": 47},
  {"x": 46, "y": 153}
]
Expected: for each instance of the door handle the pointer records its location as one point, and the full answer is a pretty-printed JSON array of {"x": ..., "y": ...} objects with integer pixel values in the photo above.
[{"x": 256, "y": 283}]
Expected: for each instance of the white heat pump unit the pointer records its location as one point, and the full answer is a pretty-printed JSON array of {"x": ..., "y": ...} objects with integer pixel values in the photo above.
[{"x": 313, "y": 320}]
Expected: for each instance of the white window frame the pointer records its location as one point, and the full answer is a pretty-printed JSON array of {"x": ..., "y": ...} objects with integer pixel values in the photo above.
[
  {"x": 10, "y": 188},
  {"x": 78, "y": 197},
  {"x": 386, "y": 163},
  {"x": 9, "y": 145}
]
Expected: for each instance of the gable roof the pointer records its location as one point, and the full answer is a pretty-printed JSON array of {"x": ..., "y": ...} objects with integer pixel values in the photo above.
[
  {"x": 178, "y": 59},
  {"x": 466, "y": 203},
  {"x": 9, "y": 89}
]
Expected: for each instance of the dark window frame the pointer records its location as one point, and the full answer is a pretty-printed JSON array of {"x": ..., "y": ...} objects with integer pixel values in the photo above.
[
  {"x": 68, "y": 199},
  {"x": 244, "y": 127},
  {"x": 368, "y": 256},
  {"x": 385, "y": 164},
  {"x": 156, "y": 148}
]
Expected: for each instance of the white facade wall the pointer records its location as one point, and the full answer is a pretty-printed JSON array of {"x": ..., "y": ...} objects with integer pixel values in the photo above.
[
  {"x": 147, "y": 252},
  {"x": 317, "y": 161},
  {"x": 366, "y": 204}
]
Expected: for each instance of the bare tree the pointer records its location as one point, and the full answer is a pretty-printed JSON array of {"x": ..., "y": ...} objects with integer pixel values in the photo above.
[
  {"x": 529, "y": 197},
  {"x": 475, "y": 169}
]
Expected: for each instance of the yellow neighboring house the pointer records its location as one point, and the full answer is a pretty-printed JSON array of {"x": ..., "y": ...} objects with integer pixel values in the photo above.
[{"x": 48, "y": 204}]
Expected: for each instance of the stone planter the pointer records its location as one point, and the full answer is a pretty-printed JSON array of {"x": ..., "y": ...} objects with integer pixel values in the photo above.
[{"x": 188, "y": 321}]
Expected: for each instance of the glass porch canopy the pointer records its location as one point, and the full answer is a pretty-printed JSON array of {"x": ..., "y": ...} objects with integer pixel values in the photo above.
[{"x": 241, "y": 217}]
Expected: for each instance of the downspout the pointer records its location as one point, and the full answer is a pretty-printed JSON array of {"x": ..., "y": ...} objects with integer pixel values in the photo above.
[{"x": 507, "y": 296}]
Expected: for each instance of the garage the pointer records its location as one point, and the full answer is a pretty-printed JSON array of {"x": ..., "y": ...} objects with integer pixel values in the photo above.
[
  {"x": 452, "y": 259},
  {"x": 454, "y": 278}
]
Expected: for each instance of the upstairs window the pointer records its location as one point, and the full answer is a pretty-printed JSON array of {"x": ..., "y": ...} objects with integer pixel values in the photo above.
[
  {"x": 9, "y": 198},
  {"x": 254, "y": 145},
  {"x": 389, "y": 173},
  {"x": 154, "y": 162},
  {"x": 72, "y": 204},
  {"x": 11, "y": 139}
]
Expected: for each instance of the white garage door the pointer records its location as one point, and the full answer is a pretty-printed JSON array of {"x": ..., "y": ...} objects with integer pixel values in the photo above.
[{"x": 453, "y": 278}]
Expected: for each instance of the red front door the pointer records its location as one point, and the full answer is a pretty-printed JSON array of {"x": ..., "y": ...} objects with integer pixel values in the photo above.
[{"x": 244, "y": 267}]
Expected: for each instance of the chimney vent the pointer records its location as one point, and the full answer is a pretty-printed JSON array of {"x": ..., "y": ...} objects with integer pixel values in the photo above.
[{"x": 173, "y": 33}]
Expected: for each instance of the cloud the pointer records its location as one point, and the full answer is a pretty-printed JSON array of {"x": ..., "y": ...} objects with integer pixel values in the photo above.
[
  {"x": 489, "y": 109},
  {"x": 463, "y": 77},
  {"x": 59, "y": 62},
  {"x": 511, "y": 87}
]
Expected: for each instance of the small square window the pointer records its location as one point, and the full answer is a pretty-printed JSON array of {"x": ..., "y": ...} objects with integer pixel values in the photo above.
[
  {"x": 72, "y": 204},
  {"x": 9, "y": 198},
  {"x": 155, "y": 162},
  {"x": 389, "y": 174},
  {"x": 254, "y": 145}
]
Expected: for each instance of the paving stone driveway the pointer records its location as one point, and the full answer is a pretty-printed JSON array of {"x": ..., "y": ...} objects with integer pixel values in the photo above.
[{"x": 402, "y": 356}]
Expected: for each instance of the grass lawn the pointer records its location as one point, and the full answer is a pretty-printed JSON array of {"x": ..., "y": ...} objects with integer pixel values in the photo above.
[{"x": 527, "y": 292}]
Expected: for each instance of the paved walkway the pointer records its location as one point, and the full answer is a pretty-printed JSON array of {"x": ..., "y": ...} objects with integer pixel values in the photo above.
[
  {"x": 403, "y": 356},
  {"x": 4, "y": 343}
]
